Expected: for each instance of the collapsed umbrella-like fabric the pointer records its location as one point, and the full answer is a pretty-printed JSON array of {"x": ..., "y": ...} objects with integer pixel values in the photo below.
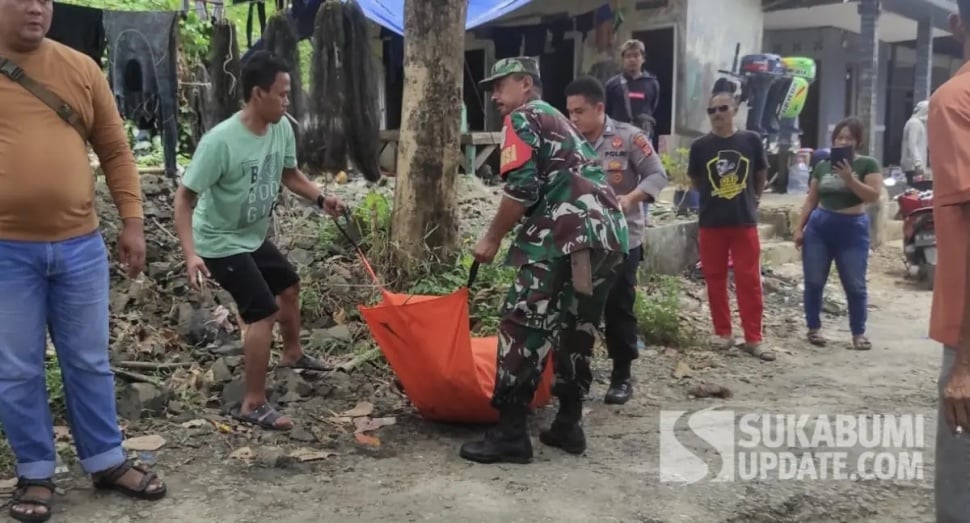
[{"x": 447, "y": 374}]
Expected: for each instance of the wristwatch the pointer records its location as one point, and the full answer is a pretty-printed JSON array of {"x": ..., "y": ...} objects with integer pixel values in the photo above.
[{"x": 321, "y": 200}]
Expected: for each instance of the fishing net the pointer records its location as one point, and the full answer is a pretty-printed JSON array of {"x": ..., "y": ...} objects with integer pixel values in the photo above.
[
  {"x": 343, "y": 123},
  {"x": 361, "y": 111},
  {"x": 326, "y": 145},
  {"x": 225, "y": 96},
  {"x": 281, "y": 41}
]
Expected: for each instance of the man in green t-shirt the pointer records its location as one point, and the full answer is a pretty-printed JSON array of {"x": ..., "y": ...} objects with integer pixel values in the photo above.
[{"x": 232, "y": 182}]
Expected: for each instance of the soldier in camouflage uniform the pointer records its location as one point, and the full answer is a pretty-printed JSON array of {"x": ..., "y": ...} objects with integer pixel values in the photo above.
[{"x": 571, "y": 238}]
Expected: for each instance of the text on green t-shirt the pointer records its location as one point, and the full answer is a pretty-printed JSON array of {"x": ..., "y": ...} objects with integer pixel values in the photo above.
[{"x": 237, "y": 176}]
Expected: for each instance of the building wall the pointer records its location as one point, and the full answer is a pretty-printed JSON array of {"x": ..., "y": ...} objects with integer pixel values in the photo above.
[{"x": 713, "y": 30}]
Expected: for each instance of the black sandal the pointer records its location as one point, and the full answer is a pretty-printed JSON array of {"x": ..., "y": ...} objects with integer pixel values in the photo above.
[
  {"x": 264, "y": 416},
  {"x": 307, "y": 363},
  {"x": 109, "y": 480},
  {"x": 20, "y": 497}
]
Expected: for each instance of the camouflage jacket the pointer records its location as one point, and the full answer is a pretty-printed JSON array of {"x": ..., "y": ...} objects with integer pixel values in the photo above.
[{"x": 556, "y": 174}]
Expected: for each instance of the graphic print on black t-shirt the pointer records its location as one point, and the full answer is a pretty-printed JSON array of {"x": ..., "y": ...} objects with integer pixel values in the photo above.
[
  {"x": 724, "y": 172},
  {"x": 728, "y": 173}
]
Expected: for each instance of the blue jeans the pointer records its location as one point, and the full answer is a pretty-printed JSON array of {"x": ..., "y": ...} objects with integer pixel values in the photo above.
[
  {"x": 843, "y": 238},
  {"x": 61, "y": 287}
]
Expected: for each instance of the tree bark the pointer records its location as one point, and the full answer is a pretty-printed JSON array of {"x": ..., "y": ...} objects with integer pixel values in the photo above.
[{"x": 425, "y": 216}]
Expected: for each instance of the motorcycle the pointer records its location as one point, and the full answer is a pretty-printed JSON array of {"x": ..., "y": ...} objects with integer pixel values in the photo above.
[
  {"x": 919, "y": 234},
  {"x": 775, "y": 89}
]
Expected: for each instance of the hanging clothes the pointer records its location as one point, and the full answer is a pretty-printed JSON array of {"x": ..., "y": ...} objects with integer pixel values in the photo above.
[
  {"x": 393, "y": 55},
  {"x": 508, "y": 41},
  {"x": 80, "y": 28},
  {"x": 535, "y": 40},
  {"x": 202, "y": 8},
  {"x": 143, "y": 72}
]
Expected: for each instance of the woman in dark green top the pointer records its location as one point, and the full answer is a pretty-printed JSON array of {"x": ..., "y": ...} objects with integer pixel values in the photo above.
[{"x": 835, "y": 227}]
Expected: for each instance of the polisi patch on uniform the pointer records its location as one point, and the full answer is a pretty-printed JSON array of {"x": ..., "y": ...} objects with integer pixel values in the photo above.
[
  {"x": 614, "y": 154},
  {"x": 617, "y": 143},
  {"x": 644, "y": 144},
  {"x": 515, "y": 152}
]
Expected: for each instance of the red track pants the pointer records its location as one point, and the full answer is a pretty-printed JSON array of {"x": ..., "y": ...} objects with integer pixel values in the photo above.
[{"x": 744, "y": 248}]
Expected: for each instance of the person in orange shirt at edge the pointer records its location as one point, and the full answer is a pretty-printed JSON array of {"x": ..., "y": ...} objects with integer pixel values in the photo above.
[
  {"x": 948, "y": 127},
  {"x": 54, "y": 268}
]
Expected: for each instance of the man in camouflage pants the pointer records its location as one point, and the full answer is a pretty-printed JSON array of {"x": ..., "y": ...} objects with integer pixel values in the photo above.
[{"x": 572, "y": 239}]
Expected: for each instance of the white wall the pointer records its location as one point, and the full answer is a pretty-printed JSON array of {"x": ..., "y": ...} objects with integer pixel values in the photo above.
[{"x": 714, "y": 28}]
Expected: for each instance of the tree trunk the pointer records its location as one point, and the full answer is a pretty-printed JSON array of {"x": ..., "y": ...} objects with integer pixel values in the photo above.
[{"x": 425, "y": 218}]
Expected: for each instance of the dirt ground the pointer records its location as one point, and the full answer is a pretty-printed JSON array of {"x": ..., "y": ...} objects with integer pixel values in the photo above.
[{"x": 416, "y": 474}]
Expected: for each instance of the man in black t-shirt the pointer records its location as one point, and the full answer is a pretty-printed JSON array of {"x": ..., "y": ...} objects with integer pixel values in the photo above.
[{"x": 729, "y": 169}]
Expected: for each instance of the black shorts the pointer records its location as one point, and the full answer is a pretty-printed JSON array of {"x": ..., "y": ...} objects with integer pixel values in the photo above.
[{"x": 254, "y": 280}]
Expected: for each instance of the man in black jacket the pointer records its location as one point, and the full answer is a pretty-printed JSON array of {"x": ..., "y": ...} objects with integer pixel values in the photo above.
[{"x": 632, "y": 96}]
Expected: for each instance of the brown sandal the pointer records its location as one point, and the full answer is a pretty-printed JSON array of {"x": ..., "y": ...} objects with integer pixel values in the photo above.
[
  {"x": 815, "y": 338},
  {"x": 756, "y": 350},
  {"x": 109, "y": 480},
  {"x": 861, "y": 343},
  {"x": 20, "y": 497}
]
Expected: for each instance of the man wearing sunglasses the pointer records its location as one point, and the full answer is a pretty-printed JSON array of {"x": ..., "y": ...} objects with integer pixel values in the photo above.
[{"x": 729, "y": 168}]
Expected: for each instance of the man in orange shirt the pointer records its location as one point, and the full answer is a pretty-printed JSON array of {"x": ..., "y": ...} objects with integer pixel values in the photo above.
[
  {"x": 948, "y": 126},
  {"x": 54, "y": 270}
]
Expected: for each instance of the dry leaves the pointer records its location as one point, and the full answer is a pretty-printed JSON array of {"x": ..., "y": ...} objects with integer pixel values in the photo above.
[
  {"x": 148, "y": 443},
  {"x": 304, "y": 454},
  {"x": 682, "y": 370},
  {"x": 222, "y": 318},
  {"x": 242, "y": 454},
  {"x": 367, "y": 440},
  {"x": 363, "y": 408},
  {"x": 710, "y": 390},
  {"x": 360, "y": 417},
  {"x": 8, "y": 486}
]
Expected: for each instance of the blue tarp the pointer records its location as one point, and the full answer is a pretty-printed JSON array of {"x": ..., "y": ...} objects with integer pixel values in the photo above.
[{"x": 390, "y": 13}]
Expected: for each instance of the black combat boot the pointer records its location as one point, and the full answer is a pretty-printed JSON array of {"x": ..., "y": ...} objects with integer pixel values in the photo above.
[
  {"x": 621, "y": 390},
  {"x": 507, "y": 443},
  {"x": 566, "y": 432}
]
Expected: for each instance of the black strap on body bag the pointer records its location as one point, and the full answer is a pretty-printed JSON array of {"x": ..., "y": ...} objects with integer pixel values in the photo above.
[{"x": 56, "y": 103}]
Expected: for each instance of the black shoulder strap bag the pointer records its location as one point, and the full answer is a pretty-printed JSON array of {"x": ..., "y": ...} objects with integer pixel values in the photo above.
[{"x": 56, "y": 103}]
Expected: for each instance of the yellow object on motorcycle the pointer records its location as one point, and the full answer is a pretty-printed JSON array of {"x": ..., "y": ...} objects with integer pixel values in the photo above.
[
  {"x": 800, "y": 67},
  {"x": 794, "y": 101}
]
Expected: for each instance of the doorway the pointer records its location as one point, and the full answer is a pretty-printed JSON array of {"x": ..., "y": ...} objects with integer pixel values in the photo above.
[
  {"x": 660, "y": 61},
  {"x": 473, "y": 96},
  {"x": 809, "y": 119},
  {"x": 556, "y": 70}
]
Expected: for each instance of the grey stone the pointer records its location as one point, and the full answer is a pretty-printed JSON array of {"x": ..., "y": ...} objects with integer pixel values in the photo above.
[
  {"x": 233, "y": 393},
  {"x": 323, "y": 338},
  {"x": 141, "y": 400},
  {"x": 221, "y": 372},
  {"x": 271, "y": 456},
  {"x": 299, "y": 433},
  {"x": 301, "y": 256},
  {"x": 232, "y": 348},
  {"x": 669, "y": 249},
  {"x": 158, "y": 270}
]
